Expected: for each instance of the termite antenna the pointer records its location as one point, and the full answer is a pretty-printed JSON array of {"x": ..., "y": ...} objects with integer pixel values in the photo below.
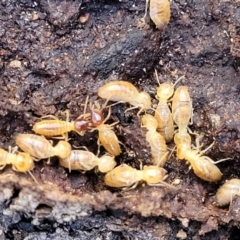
[
  {"x": 222, "y": 160},
  {"x": 35, "y": 180},
  {"x": 156, "y": 74},
  {"x": 178, "y": 80},
  {"x": 85, "y": 105}
]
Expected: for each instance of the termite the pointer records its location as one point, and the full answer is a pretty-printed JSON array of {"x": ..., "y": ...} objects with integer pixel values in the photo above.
[
  {"x": 127, "y": 177},
  {"x": 226, "y": 193},
  {"x": 106, "y": 136},
  {"x": 21, "y": 162},
  {"x": 123, "y": 91},
  {"x": 182, "y": 107},
  {"x": 162, "y": 112},
  {"x": 203, "y": 166},
  {"x": 156, "y": 141},
  {"x": 40, "y": 148},
  {"x": 85, "y": 161},
  {"x": 159, "y": 11},
  {"x": 57, "y": 127}
]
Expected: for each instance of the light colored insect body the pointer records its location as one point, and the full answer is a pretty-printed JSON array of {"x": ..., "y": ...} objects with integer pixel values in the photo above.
[
  {"x": 126, "y": 176},
  {"x": 203, "y": 166},
  {"x": 41, "y": 148},
  {"x": 156, "y": 141},
  {"x": 183, "y": 142},
  {"x": 181, "y": 107},
  {"x": 163, "y": 116},
  {"x": 159, "y": 11},
  {"x": 85, "y": 160},
  {"x": 106, "y": 163},
  {"x": 6, "y": 158},
  {"x": 79, "y": 160},
  {"x": 21, "y": 162},
  {"x": 153, "y": 174},
  {"x": 123, "y": 91},
  {"x": 226, "y": 193},
  {"x": 118, "y": 91},
  {"x": 51, "y": 128},
  {"x": 158, "y": 146},
  {"x": 123, "y": 176},
  {"x": 108, "y": 139}
]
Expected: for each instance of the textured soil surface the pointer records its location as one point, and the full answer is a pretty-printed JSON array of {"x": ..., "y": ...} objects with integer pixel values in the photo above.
[{"x": 53, "y": 54}]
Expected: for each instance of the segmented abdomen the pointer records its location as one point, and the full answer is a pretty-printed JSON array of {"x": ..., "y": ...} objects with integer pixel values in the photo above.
[
  {"x": 52, "y": 127},
  {"x": 163, "y": 116},
  {"x": 79, "y": 160}
]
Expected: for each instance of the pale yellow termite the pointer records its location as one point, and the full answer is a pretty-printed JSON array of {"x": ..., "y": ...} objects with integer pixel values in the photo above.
[
  {"x": 163, "y": 113},
  {"x": 123, "y": 91},
  {"x": 21, "y": 162},
  {"x": 156, "y": 141},
  {"x": 85, "y": 161},
  {"x": 159, "y": 11},
  {"x": 203, "y": 166},
  {"x": 57, "y": 127},
  {"x": 126, "y": 176},
  {"x": 106, "y": 136},
  {"x": 40, "y": 148},
  {"x": 181, "y": 107},
  {"x": 226, "y": 193}
]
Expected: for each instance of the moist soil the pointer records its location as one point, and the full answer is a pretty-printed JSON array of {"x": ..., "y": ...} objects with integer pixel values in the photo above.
[{"x": 56, "y": 53}]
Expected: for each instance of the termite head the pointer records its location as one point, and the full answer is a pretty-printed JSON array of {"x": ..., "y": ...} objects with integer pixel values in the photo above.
[
  {"x": 23, "y": 162},
  {"x": 106, "y": 163},
  {"x": 81, "y": 124},
  {"x": 63, "y": 149},
  {"x": 153, "y": 174},
  {"x": 149, "y": 122},
  {"x": 97, "y": 117},
  {"x": 165, "y": 91},
  {"x": 144, "y": 100}
]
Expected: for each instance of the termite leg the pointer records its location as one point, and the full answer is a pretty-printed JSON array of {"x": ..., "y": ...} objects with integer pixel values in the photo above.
[
  {"x": 84, "y": 147},
  {"x": 99, "y": 145},
  {"x": 205, "y": 150},
  {"x": 108, "y": 116},
  {"x": 172, "y": 150},
  {"x": 64, "y": 137},
  {"x": 131, "y": 108},
  {"x": 165, "y": 185},
  {"x": 197, "y": 140},
  {"x": 2, "y": 166},
  {"x": 146, "y": 8},
  {"x": 50, "y": 116},
  {"x": 165, "y": 155},
  {"x": 131, "y": 187},
  {"x": 12, "y": 150},
  {"x": 49, "y": 161}
]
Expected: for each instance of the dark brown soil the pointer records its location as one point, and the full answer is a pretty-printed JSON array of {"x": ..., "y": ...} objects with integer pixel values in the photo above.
[{"x": 54, "y": 53}]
